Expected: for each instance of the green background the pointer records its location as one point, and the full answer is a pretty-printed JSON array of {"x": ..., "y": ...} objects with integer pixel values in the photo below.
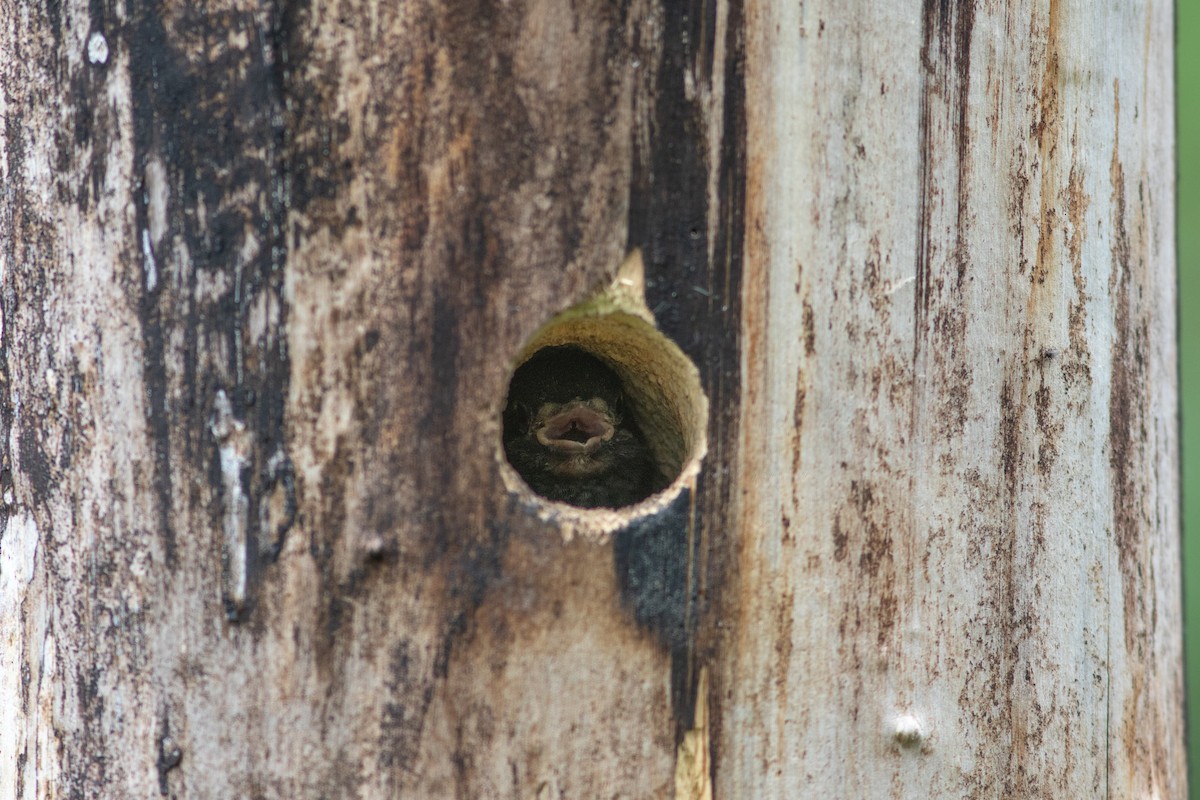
[{"x": 1187, "y": 32}]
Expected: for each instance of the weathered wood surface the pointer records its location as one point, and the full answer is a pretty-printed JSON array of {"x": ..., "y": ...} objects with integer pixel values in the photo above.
[
  {"x": 960, "y": 293},
  {"x": 264, "y": 268}
]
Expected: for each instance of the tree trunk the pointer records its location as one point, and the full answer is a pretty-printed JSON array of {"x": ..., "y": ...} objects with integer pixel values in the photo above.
[{"x": 267, "y": 270}]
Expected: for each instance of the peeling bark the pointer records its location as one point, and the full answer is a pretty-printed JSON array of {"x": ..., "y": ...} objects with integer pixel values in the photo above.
[{"x": 264, "y": 272}]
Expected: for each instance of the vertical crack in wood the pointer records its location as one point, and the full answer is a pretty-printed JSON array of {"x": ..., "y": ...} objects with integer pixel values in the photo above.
[
  {"x": 693, "y": 766},
  {"x": 686, "y": 212}
]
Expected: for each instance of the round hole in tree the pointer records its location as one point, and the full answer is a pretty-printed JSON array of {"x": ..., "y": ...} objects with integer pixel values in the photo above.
[{"x": 604, "y": 416}]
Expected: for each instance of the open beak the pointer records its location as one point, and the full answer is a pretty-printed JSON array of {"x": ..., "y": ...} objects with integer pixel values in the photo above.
[{"x": 576, "y": 429}]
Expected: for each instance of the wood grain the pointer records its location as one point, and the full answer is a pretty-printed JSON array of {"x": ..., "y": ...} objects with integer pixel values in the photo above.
[{"x": 264, "y": 272}]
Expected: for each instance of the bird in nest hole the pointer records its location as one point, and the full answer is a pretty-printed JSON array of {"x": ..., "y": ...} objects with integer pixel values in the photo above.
[{"x": 568, "y": 433}]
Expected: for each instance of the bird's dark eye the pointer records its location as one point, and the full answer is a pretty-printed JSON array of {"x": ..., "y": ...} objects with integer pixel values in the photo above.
[{"x": 517, "y": 420}]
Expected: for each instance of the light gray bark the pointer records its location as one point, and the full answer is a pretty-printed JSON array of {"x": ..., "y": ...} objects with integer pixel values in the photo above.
[{"x": 959, "y": 569}]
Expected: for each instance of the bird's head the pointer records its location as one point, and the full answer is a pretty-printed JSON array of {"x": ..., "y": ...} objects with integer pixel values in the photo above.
[
  {"x": 566, "y": 431},
  {"x": 567, "y": 405},
  {"x": 575, "y": 435}
]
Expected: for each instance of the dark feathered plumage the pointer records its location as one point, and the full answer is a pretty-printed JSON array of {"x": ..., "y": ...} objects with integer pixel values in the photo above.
[{"x": 568, "y": 433}]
